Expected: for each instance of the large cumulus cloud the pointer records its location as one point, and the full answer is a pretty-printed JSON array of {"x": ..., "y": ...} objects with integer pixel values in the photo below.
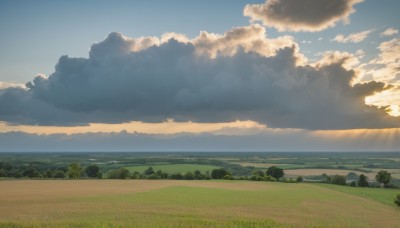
[
  {"x": 301, "y": 15},
  {"x": 211, "y": 78}
]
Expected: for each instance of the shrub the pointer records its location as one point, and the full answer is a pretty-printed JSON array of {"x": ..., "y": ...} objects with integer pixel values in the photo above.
[
  {"x": 176, "y": 176},
  {"x": 363, "y": 181},
  {"x": 383, "y": 177},
  {"x": 153, "y": 176},
  {"x": 228, "y": 177},
  {"x": 259, "y": 173},
  {"x": 121, "y": 173},
  {"x": 219, "y": 173},
  {"x": 299, "y": 179},
  {"x": 397, "y": 200},
  {"x": 59, "y": 174},
  {"x": 275, "y": 172},
  {"x": 338, "y": 179},
  {"x": 272, "y": 179}
]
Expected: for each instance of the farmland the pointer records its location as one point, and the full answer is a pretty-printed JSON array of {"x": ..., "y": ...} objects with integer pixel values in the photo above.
[
  {"x": 168, "y": 203},
  {"x": 49, "y": 201},
  {"x": 173, "y": 168},
  {"x": 241, "y": 165}
]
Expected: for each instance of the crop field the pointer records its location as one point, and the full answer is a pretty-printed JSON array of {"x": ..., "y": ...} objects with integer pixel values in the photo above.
[
  {"x": 316, "y": 172},
  {"x": 173, "y": 168},
  {"x": 170, "y": 203}
]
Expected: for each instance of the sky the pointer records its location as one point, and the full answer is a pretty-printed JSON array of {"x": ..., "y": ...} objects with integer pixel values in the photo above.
[{"x": 275, "y": 75}]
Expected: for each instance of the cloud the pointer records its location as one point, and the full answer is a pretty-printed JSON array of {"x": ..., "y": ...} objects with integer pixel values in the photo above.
[
  {"x": 301, "y": 15},
  {"x": 386, "y": 67},
  {"x": 4, "y": 85},
  {"x": 390, "y": 32},
  {"x": 352, "y": 38},
  {"x": 240, "y": 75}
]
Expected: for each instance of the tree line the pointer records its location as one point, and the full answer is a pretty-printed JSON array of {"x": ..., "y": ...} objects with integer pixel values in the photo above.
[{"x": 273, "y": 173}]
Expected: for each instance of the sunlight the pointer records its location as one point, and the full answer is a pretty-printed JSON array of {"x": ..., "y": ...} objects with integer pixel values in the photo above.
[
  {"x": 390, "y": 97},
  {"x": 168, "y": 127}
]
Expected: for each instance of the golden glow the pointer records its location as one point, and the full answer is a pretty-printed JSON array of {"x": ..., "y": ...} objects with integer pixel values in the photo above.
[
  {"x": 383, "y": 137},
  {"x": 394, "y": 110},
  {"x": 169, "y": 127},
  {"x": 390, "y": 98}
]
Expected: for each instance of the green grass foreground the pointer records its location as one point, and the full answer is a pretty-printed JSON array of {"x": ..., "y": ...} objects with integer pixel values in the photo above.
[{"x": 169, "y": 203}]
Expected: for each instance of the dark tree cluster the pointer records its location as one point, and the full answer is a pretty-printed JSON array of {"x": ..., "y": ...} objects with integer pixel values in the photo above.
[
  {"x": 73, "y": 171},
  {"x": 150, "y": 174}
]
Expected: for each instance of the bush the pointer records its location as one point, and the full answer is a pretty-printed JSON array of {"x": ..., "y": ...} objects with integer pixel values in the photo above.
[
  {"x": 219, "y": 173},
  {"x": 259, "y": 173},
  {"x": 188, "y": 176},
  {"x": 176, "y": 176},
  {"x": 121, "y": 173},
  {"x": 299, "y": 179},
  {"x": 153, "y": 177},
  {"x": 275, "y": 172},
  {"x": 272, "y": 179},
  {"x": 397, "y": 200},
  {"x": 59, "y": 174},
  {"x": 363, "y": 181},
  {"x": 338, "y": 179},
  {"x": 228, "y": 177},
  {"x": 92, "y": 171},
  {"x": 383, "y": 177}
]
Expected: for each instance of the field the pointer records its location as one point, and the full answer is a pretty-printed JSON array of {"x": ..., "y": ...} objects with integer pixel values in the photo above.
[
  {"x": 169, "y": 203},
  {"x": 315, "y": 172},
  {"x": 175, "y": 168}
]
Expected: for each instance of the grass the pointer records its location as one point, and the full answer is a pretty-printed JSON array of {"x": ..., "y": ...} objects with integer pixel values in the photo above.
[
  {"x": 317, "y": 172},
  {"x": 173, "y": 168},
  {"x": 381, "y": 195},
  {"x": 168, "y": 203},
  {"x": 267, "y": 165}
]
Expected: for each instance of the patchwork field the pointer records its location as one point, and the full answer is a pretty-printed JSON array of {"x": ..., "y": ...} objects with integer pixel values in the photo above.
[
  {"x": 316, "y": 172},
  {"x": 173, "y": 168},
  {"x": 169, "y": 203}
]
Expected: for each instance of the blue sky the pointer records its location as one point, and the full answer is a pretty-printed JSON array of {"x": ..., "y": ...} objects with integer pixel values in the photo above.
[
  {"x": 237, "y": 68},
  {"x": 36, "y": 33}
]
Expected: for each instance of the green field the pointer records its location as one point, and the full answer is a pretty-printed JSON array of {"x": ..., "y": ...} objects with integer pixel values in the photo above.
[
  {"x": 169, "y": 203},
  {"x": 173, "y": 168}
]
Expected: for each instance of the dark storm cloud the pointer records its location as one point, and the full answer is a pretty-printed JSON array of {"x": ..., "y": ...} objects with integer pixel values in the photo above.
[
  {"x": 301, "y": 15},
  {"x": 144, "y": 80}
]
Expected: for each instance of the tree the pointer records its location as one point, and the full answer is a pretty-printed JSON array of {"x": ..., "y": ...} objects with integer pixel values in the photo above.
[
  {"x": 275, "y": 172},
  {"x": 259, "y": 173},
  {"x": 136, "y": 175},
  {"x": 397, "y": 200},
  {"x": 219, "y": 173},
  {"x": 363, "y": 181},
  {"x": 299, "y": 179},
  {"x": 30, "y": 172},
  {"x": 352, "y": 176},
  {"x": 92, "y": 171},
  {"x": 59, "y": 174},
  {"x": 121, "y": 173},
  {"x": 198, "y": 175},
  {"x": 383, "y": 177},
  {"x": 74, "y": 170},
  {"x": 149, "y": 171},
  {"x": 176, "y": 176},
  {"x": 188, "y": 176},
  {"x": 338, "y": 179}
]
